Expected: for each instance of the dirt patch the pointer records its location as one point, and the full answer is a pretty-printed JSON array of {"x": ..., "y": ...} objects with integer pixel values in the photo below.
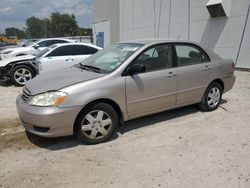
[{"x": 179, "y": 148}]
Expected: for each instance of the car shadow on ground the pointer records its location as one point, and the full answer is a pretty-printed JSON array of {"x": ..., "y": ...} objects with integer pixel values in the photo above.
[
  {"x": 71, "y": 141},
  {"x": 5, "y": 83}
]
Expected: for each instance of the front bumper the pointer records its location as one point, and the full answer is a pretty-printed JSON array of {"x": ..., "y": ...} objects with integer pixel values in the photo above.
[{"x": 47, "y": 121}]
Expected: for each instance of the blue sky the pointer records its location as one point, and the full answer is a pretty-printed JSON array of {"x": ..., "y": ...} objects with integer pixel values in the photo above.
[{"x": 13, "y": 13}]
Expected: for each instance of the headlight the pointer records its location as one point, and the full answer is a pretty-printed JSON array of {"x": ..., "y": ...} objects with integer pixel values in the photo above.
[{"x": 48, "y": 99}]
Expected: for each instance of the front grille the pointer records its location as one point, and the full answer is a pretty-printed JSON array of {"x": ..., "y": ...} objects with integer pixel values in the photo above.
[{"x": 25, "y": 94}]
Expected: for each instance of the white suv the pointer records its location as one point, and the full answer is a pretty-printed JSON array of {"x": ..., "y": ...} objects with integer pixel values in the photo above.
[{"x": 32, "y": 49}]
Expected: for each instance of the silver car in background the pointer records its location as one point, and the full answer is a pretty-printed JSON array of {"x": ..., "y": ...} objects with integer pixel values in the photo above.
[{"x": 122, "y": 82}]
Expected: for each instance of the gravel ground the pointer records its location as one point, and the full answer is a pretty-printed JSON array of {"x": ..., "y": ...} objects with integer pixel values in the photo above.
[{"x": 179, "y": 148}]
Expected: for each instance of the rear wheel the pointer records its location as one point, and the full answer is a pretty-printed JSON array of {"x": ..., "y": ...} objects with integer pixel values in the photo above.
[
  {"x": 96, "y": 124},
  {"x": 21, "y": 74},
  {"x": 212, "y": 97}
]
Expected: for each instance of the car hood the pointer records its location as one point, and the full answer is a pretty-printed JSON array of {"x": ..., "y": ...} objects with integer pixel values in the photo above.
[
  {"x": 5, "y": 62},
  {"x": 56, "y": 80},
  {"x": 13, "y": 49}
]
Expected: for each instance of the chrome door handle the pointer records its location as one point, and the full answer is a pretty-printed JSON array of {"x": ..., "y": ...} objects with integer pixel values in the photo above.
[
  {"x": 171, "y": 74},
  {"x": 207, "y": 68}
]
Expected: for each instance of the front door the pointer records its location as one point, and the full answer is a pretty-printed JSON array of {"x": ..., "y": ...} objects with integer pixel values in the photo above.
[
  {"x": 60, "y": 57},
  {"x": 155, "y": 89}
]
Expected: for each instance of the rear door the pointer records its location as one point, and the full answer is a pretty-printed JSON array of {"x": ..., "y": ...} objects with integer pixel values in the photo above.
[
  {"x": 155, "y": 89},
  {"x": 193, "y": 71},
  {"x": 60, "y": 57}
]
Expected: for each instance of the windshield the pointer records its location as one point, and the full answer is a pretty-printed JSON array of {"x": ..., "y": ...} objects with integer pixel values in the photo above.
[
  {"x": 42, "y": 52},
  {"x": 110, "y": 58},
  {"x": 29, "y": 43}
]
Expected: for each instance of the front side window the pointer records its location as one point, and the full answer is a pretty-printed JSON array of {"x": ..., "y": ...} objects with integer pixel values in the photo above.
[
  {"x": 43, "y": 44},
  {"x": 110, "y": 58},
  {"x": 62, "y": 51},
  {"x": 156, "y": 58},
  {"x": 189, "y": 55}
]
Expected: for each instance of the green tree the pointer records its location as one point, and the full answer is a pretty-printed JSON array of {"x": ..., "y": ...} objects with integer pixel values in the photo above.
[
  {"x": 63, "y": 25},
  {"x": 57, "y": 25},
  {"x": 10, "y": 32},
  {"x": 35, "y": 27}
]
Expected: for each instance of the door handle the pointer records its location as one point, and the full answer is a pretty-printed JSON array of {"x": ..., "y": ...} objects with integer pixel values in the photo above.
[
  {"x": 69, "y": 59},
  {"x": 171, "y": 74},
  {"x": 207, "y": 67}
]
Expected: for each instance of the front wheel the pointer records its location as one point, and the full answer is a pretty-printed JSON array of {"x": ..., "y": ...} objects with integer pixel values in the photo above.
[
  {"x": 21, "y": 74},
  {"x": 212, "y": 97},
  {"x": 96, "y": 124}
]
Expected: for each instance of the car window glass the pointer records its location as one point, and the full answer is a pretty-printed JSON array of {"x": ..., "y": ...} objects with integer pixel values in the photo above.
[
  {"x": 57, "y": 41},
  {"x": 44, "y": 44},
  {"x": 156, "y": 58},
  {"x": 111, "y": 57},
  {"x": 189, "y": 55},
  {"x": 62, "y": 51},
  {"x": 84, "y": 50}
]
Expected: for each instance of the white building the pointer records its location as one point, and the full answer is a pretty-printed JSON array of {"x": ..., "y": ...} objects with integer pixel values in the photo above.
[{"x": 221, "y": 25}]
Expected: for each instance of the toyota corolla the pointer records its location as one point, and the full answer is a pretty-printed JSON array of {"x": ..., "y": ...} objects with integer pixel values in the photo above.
[{"x": 122, "y": 82}]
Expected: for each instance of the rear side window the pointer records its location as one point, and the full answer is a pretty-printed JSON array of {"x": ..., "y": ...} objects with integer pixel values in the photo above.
[
  {"x": 190, "y": 55},
  {"x": 57, "y": 41},
  {"x": 62, "y": 51},
  {"x": 84, "y": 50}
]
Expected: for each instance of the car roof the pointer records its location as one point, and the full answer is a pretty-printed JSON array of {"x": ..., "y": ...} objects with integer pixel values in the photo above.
[
  {"x": 158, "y": 40},
  {"x": 153, "y": 41},
  {"x": 45, "y": 39},
  {"x": 79, "y": 43}
]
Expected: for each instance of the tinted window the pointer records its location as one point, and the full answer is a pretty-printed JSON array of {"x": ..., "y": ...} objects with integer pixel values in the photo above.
[
  {"x": 156, "y": 58},
  {"x": 44, "y": 44},
  {"x": 84, "y": 50},
  {"x": 62, "y": 51},
  {"x": 57, "y": 41},
  {"x": 189, "y": 55}
]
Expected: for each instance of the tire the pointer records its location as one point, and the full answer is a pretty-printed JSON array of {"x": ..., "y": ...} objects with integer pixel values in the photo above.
[
  {"x": 20, "y": 74},
  {"x": 91, "y": 129},
  {"x": 212, "y": 97}
]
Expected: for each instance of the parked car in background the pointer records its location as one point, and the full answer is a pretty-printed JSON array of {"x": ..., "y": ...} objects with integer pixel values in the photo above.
[
  {"x": 21, "y": 69},
  {"x": 120, "y": 83},
  {"x": 64, "y": 55},
  {"x": 32, "y": 48},
  {"x": 4, "y": 45}
]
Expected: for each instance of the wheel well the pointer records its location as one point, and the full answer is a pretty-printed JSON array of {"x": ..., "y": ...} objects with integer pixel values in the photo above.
[
  {"x": 18, "y": 64},
  {"x": 107, "y": 101},
  {"x": 219, "y": 81}
]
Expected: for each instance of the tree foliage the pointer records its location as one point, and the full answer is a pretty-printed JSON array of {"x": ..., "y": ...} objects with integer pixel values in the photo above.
[
  {"x": 10, "y": 32},
  {"x": 35, "y": 27},
  {"x": 57, "y": 25}
]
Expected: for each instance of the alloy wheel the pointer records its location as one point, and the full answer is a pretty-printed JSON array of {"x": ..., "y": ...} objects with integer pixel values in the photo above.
[
  {"x": 213, "y": 97},
  {"x": 22, "y": 76},
  {"x": 96, "y": 124}
]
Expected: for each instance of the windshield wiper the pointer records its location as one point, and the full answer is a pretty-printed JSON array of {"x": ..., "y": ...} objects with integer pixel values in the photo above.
[{"x": 92, "y": 68}]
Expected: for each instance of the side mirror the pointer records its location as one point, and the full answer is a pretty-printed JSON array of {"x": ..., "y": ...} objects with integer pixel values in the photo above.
[
  {"x": 135, "y": 69},
  {"x": 36, "y": 46}
]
